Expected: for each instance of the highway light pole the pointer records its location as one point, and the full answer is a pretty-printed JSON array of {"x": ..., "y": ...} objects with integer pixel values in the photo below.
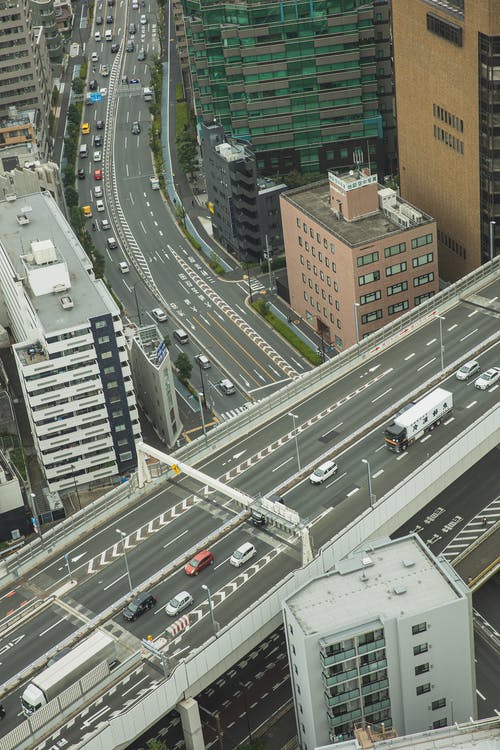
[
  {"x": 76, "y": 488},
  {"x": 294, "y": 417},
  {"x": 211, "y": 605},
  {"x": 492, "y": 239},
  {"x": 441, "y": 340},
  {"x": 356, "y": 305},
  {"x": 202, "y": 384},
  {"x": 202, "y": 418},
  {"x": 369, "y": 480},
  {"x": 124, "y": 536},
  {"x": 37, "y": 526}
]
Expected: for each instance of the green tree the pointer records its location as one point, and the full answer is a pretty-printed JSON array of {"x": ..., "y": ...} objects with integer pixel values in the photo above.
[
  {"x": 255, "y": 744},
  {"x": 71, "y": 196},
  {"x": 78, "y": 85},
  {"x": 184, "y": 367},
  {"x": 156, "y": 744}
]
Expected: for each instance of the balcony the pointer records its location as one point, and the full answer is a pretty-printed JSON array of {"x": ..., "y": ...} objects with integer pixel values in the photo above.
[
  {"x": 336, "y": 700},
  {"x": 336, "y": 658},
  {"x": 373, "y": 666},
  {"x": 338, "y": 678}
]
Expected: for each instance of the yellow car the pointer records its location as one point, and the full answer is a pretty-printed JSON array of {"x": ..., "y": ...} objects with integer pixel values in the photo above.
[
  {"x": 85, "y": 128},
  {"x": 87, "y": 212}
]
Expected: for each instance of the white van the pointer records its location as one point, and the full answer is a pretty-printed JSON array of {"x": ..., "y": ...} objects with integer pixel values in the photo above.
[
  {"x": 99, "y": 205},
  {"x": 323, "y": 472},
  {"x": 84, "y": 151},
  {"x": 181, "y": 336},
  {"x": 242, "y": 555},
  {"x": 111, "y": 243},
  {"x": 108, "y": 35},
  {"x": 124, "y": 267}
]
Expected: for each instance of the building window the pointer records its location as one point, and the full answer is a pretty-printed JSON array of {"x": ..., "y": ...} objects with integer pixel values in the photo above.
[
  {"x": 364, "y": 260},
  {"x": 425, "y": 688},
  {"x": 371, "y": 316},
  {"x": 396, "y": 268},
  {"x": 119, "y": 428},
  {"x": 422, "y": 297},
  {"x": 368, "y": 278},
  {"x": 365, "y": 299},
  {"x": 127, "y": 456},
  {"x": 395, "y": 249},
  {"x": 106, "y": 355},
  {"x": 422, "y": 668},
  {"x": 420, "y": 649},
  {"x": 307, "y": 246},
  {"x": 397, "y": 288},
  {"x": 422, "y": 260},
  {"x": 332, "y": 248},
  {"x": 101, "y": 324},
  {"x": 300, "y": 240},
  {"x": 420, "y": 628},
  {"x": 304, "y": 226},
  {"x": 440, "y": 723},
  {"x": 440, "y": 703},
  {"x": 447, "y": 30},
  {"x": 398, "y": 307},
  {"x": 109, "y": 370},
  {"x": 103, "y": 340},
  {"x": 424, "y": 239},
  {"x": 298, "y": 222},
  {"x": 424, "y": 279},
  {"x": 112, "y": 384},
  {"x": 301, "y": 260}
]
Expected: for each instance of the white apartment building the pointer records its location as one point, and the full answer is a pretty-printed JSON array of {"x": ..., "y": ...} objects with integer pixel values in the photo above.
[
  {"x": 69, "y": 347},
  {"x": 385, "y": 640}
]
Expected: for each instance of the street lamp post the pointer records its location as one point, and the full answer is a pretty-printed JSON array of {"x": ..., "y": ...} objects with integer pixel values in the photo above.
[
  {"x": 124, "y": 536},
  {"x": 294, "y": 417},
  {"x": 492, "y": 239},
  {"x": 356, "y": 305},
  {"x": 76, "y": 488},
  {"x": 36, "y": 522},
  {"x": 268, "y": 258},
  {"x": 441, "y": 318},
  {"x": 66, "y": 560},
  {"x": 137, "y": 305},
  {"x": 211, "y": 605},
  {"x": 202, "y": 418},
  {"x": 202, "y": 384},
  {"x": 364, "y": 460}
]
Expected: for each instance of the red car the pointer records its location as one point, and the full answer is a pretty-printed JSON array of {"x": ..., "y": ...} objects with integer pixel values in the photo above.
[
  {"x": 201, "y": 560},
  {"x": 97, "y": 174}
]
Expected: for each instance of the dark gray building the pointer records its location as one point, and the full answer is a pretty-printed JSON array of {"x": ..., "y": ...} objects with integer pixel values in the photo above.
[{"x": 245, "y": 209}]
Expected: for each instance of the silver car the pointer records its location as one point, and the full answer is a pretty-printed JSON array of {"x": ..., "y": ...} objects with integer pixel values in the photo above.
[
  {"x": 468, "y": 370},
  {"x": 178, "y": 603}
]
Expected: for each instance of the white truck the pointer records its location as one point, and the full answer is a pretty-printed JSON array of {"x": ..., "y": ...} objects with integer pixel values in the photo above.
[
  {"x": 67, "y": 670},
  {"x": 410, "y": 424},
  {"x": 148, "y": 94}
]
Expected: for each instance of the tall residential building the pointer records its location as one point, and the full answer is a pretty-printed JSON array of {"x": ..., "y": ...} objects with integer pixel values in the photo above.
[
  {"x": 245, "y": 209},
  {"x": 44, "y": 14},
  {"x": 357, "y": 255},
  {"x": 25, "y": 77},
  {"x": 304, "y": 82},
  {"x": 446, "y": 59},
  {"x": 385, "y": 640},
  {"x": 69, "y": 349}
]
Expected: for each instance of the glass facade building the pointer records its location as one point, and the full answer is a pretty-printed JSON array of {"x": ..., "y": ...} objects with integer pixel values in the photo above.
[{"x": 304, "y": 82}]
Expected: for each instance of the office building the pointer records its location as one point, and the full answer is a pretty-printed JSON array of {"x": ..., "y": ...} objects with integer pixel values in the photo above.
[
  {"x": 245, "y": 208},
  {"x": 385, "y": 640},
  {"x": 22, "y": 171},
  {"x": 25, "y": 77},
  {"x": 304, "y": 83},
  {"x": 446, "y": 58},
  {"x": 43, "y": 14},
  {"x": 154, "y": 382},
  {"x": 357, "y": 255},
  {"x": 69, "y": 348}
]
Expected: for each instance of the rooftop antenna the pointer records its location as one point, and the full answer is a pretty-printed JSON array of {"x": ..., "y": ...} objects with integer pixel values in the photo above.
[{"x": 357, "y": 156}]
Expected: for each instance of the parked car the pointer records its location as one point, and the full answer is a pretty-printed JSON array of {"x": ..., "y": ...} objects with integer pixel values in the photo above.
[
  {"x": 178, "y": 603},
  {"x": 199, "y": 562},
  {"x": 468, "y": 370},
  {"x": 488, "y": 378},
  {"x": 138, "y": 606}
]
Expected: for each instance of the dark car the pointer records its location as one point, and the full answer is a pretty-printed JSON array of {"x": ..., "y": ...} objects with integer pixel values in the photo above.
[
  {"x": 100, "y": 124},
  {"x": 142, "y": 55},
  {"x": 109, "y": 19},
  {"x": 130, "y": 46},
  {"x": 98, "y": 140},
  {"x": 115, "y": 47},
  {"x": 98, "y": 20},
  {"x": 81, "y": 174},
  {"x": 257, "y": 518},
  {"x": 138, "y": 606},
  {"x": 136, "y": 128},
  {"x": 93, "y": 85},
  {"x": 111, "y": 3}
]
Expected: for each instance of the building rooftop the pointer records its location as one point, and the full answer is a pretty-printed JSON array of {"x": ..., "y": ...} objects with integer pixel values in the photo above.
[
  {"x": 389, "y": 579},
  {"x": 315, "y": 201},
  {"x": 54, "y": 268}
]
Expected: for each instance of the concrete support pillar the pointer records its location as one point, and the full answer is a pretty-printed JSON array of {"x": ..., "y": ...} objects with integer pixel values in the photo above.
[{"x": 191, "y": 724}]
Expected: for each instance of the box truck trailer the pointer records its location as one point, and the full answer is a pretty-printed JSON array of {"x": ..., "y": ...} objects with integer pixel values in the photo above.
[{"x": 410, "y": 424}]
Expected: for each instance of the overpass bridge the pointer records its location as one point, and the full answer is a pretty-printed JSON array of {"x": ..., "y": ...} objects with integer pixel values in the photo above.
[{"x": 203, "y": 665}]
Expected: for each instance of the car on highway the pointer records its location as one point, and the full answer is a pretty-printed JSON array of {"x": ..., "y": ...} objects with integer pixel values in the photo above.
[
  {"x": 98, "y": 191},
  {"x": 138, "y": 606},
  {"x": 178, "y": 603},
  {"x": 105, "y": 224},
  {"x": 103, "y": 91},
  {"x": 94, "y": 57},
  {"x": 143, "y": 20},
  {"x": 100, "y": 124},
  {"x": 97, "y": 174},
  {"x": 132, "y": 28},
  {"x": 97, "y": 36},
  {"x": 93, "y": 84},
  {"x": 468, "y": 370},
  {"x": 111, "y": 243},
  {"x": 81, "y": 174},
  {"x": 488, "y": 378},
  {"x": 109, "y": 19},
  {"x": 323, "y": 472},
  {"x": 227, "y": 387},
  {"x": 105, "y": 70},
  {"x": 130, "y": 46},
  {"x": 85, "y": 128},
  {"x": 98, "y": 141},
  {"x": 136, "y": 128},
  {"x": 135, "y": 4},
  {"x": 97, "y": 156},
  {"x": 99, "y": 204},
  {"x": 203, "y": 361},
  {"x": 257, "y": 519},
  {"x": 199, "y": 562},
  {"x": 159, "y": 314},
  {"x": 141, "y": 55},
  {"x": 134, "y": 80},
  {"x": 114, "y": 48},
  {"x": 243, "y": 554},
  {"x": 123, "y": 266},
  {"x": 111, "y": 3},
  {"x": 108, "y": 35},
  {"x": 98, "y": 20}
]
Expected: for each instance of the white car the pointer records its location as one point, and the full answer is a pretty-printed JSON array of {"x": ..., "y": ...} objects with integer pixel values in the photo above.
[
  {"x": 227, "y": 387},
  {"x": 203, "y": 362},
  {"x": 98, "y": 191},
  {"x": 242, "y": 555},
  {"x": 123, "y": 267},
  {"x": 105, "y": 224},
  {"x": 99, "y": 204},
  {"x": 178, "y": 603},
  {"x": 135, "y": 4},
  {"x": 159, "y": 314},
  {"x": 94, "y": 57},
  {"x": 97, "y": 36},
  {"x": 143, "y": 20},
  {"x": 468, "y": 370},
  {"x": 323, "y": 472},
  {"x": 97, "y": 156},
  {"x": 488, "y": 378}
]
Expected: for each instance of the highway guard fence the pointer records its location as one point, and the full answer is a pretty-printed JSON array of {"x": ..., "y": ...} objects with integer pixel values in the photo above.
[{"x": 207, "y": 663}]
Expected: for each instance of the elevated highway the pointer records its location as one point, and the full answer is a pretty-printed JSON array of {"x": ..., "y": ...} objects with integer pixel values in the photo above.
[{"x": 358, "y": 388}]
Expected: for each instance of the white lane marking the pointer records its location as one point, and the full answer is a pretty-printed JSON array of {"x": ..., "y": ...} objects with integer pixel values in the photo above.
[
  {"x": 432, "y": 341},
  {"x": 469, "y": 334},
  {"x": 452, "y": 328},
  {"x": 427, "y": 363},
  {"x": 381, "y": 395},
  {"x": 480, "y": 695},
  {"x": 353, "y": 492},
  {"x": 284, "y": 462},
  {"x": 135, "y": 685},
  {"x": 469, "y": 406},
  {"x": 117, "y": 580},
  {"x": 52, "y": 626},
  {"x": 401, "y": 456},
  {"x": 474, "y": 312},
  {"x": 409, "y": 356},
  {"x": 377, "y": 473},
  {"x": 176, "y": 538}
]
